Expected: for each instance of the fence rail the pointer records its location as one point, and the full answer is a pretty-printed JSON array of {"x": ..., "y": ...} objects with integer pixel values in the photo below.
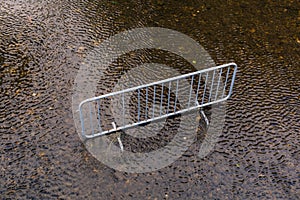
[{"x": 146, "y": 103}]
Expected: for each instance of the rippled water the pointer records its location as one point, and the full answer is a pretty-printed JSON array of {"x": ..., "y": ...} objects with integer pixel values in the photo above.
[{"x": 42, "y": 46}]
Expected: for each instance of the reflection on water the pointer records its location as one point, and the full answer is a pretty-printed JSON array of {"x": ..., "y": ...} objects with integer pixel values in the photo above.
[{"x": 42, "y": 45}]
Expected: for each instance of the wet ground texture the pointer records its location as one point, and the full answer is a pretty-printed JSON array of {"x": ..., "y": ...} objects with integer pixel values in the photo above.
[{"x": 42, "y": 46}]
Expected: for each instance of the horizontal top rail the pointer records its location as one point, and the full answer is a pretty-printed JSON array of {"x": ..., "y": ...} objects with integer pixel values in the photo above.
[{"x": 160, "y": 82}]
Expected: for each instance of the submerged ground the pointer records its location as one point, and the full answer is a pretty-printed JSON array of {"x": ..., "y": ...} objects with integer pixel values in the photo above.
[{"x": 42, "y": 46}]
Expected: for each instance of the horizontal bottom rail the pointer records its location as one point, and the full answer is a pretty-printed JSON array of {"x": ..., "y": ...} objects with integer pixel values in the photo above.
[{"x": 115, "y": 129}]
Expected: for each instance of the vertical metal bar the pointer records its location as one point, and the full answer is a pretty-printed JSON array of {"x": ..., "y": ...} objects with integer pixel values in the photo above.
[
  {"x": 98, "y": 109},
  {"x": 123, "y": 106},
  {"x": 212, "y": 85},
  {"x": 197, "y": 93},
  {"x": 192, "y": 81},
  {"x": 204, "y": 88},
  {"x": 218, "y": 84},
  {"x": 169, "y": 97},
  {"x": 176, "y": 92},
  {"x": 139, "y": 104},
  {"x": 146, "y": 117},
  {"x": 161, "y": 98},
  {"x": 227, "y": 74},
  {"x": 232, "y": 80},
  {"x": 91, "y": 118},
  {"x": 154, "y": 91},
  {"x": 82, "y": 122}
]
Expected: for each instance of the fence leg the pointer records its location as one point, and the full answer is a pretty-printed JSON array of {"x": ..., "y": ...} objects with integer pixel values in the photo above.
[
  {"x": 205, "y": 118},
  {"x": 120, "y": 143},
  {"x": 119, "y": 137}
]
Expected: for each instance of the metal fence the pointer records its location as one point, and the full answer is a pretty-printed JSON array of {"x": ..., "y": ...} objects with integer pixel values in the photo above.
[{"x": 146, "y": 103}]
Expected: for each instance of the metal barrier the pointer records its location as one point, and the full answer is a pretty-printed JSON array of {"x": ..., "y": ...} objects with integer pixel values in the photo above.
[{"x": 146, "y": 103}]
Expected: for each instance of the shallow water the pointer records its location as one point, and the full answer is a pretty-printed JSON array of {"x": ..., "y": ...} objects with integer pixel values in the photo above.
[{"x": 42, "y": 46}]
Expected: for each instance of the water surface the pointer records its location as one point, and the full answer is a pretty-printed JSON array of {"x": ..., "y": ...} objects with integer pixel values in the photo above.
[{"x": 42, "y": 46}]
